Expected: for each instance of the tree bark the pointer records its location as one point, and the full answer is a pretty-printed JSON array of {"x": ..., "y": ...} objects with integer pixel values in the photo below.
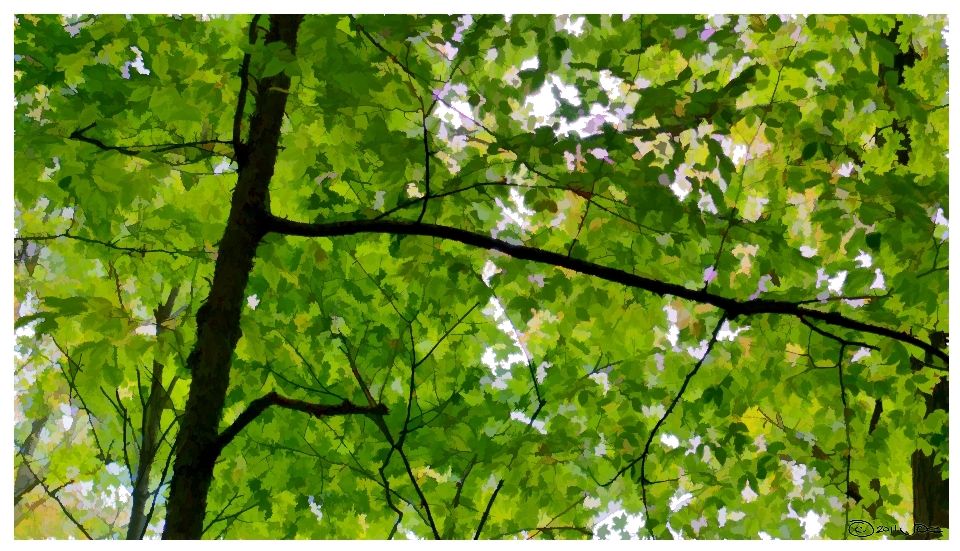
[
  {"x": 150, "y": 430},
  {"x": 26, "y": 480},
  {"x": 218, "y": 320},
  {"x": 931, "y": 492}
]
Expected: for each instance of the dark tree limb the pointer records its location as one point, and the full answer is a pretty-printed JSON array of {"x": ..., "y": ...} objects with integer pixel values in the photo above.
[
  {"x": 486, "y": 512},
  {"x": 733, "y": 307},
  {"x": 79, "y": 135},
  {"x": 259, "y": 405},
  {"x": 238, "y": 145},
  {"x": 642, "y": 458},
  {"x": 218, "y": 320}
]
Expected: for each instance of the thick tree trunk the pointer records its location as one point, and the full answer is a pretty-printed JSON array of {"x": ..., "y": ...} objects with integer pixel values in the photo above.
[
  {"x": 218, "y": 320},
  {"x": 931, "y": 492},
  {"x": 149, "y": 431}
]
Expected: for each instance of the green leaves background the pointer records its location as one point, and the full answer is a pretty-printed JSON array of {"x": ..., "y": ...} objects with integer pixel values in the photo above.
[{"x": 123, "y": 186}]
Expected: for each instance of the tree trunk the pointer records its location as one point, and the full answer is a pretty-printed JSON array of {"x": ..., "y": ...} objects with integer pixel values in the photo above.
[
  {"x": 931, "y": 492},
  {"x": 218, "y": 320},
  {"x": 27, "y": 480},
  {"x": 149, "y": 431}
]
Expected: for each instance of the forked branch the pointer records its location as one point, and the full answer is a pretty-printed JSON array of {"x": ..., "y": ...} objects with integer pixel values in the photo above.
[
  {"x": 733, "y": 307},
  {"x": 259, "y": 405}
]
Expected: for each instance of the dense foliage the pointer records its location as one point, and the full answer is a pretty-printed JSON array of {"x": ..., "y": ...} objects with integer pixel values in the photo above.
[{"x": 480, "y": 276}]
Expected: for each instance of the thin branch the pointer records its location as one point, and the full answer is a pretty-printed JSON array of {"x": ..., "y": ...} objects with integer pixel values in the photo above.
[
  {"x": 831, "y": 336},
  {"x": 930, "y": 271},
  {"x": 258, "y": 406},
  {"x": 733, "y": 307},
  {"x": 426, "y": 155},
  {"x": 486, "y": 513},
  {"x": 129, "y": 250},
  {"x": 53, "y": 494},
  {"x": 846, "y": 428},
  {"x": 238, "y": 146},
  {"x": 141, "y": 149},
  {"x": 642, "y": 458},
  {"x": 565, "y": 511}
]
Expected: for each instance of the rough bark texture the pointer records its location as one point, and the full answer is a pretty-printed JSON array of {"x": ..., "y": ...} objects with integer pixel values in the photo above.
[
  {"x": 931, "y": 492},
  {"x": 218, "y": 320},
  {"x": 149, "y": 431}
]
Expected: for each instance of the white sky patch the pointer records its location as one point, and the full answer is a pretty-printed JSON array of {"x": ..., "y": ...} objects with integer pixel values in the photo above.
[
  {"x": 532, "y": 63},
  {"x": 706, "y": 203},
  {"x": 610, "y": 84},
  {"x": 575, "y": 27},
  {"x": 862, "y": 353},
  {"x": 725, "y": 334},
  {"x": 253, "y": 301},
  {"x": 489, "y": 270},
  {"x": 413, "y": 191},
  {"x": 315, "y": 508},
  {"x": 673, "y": 331},
  {"x": 709, "y": 275},
  {"x": 700, "y": 352},
  {"x": 812, "y": 523},
  {"x": 489, "y": 358},
  {"x": 836, "y": 283},
  {"x": 807, "y": 252},
  {"x": 748, "y": 493},
  {"x": 136, "y": 64},
  {"x": 150, "y": 329},
  {"x": 538, "y": 424},
  {"x": 761, "y": 286},
  {"x": 878, "y": 282},
  {"x": 632, "y": 527},
  {"x": 543, "y": 103},
  {"x": 846, "y": 169},
  {"x": 378, "y": 202},
  {"x": 940, "y": 220},
  {"x": 567, "y": 91},
  {"x": 520, "y": 217},
  {"x": 670, "y": 441},
  {"x": 694, "y": 444},
  {"x": 67, "y": 418},
  {"x": 222, "y": 167},
  {"x": 681, "y": 187},
  {"x": 681, "y": 501},
  {"x": 864, "y": 259}
]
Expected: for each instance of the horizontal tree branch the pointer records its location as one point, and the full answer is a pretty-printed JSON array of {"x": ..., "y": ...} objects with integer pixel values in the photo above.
[
  {"x": 259, "y": 405},
  {"x": 129, "y": 250},
  {"x": 733, "y": 307},
  {"x": 141, "y": 149}
]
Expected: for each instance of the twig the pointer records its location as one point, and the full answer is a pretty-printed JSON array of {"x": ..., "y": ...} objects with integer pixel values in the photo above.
[
  {"x": 486, "y": 513},
  {"x": 53, "y": 494}
]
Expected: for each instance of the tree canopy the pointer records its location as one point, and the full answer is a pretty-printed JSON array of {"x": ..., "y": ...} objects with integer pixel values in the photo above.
[{"x": 480, "y": 276}]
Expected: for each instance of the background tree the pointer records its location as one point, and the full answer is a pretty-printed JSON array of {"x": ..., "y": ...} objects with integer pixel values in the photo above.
[{"x": 703, "y": 296}]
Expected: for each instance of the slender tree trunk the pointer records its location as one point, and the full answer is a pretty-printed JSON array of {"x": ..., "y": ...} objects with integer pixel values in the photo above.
[
  {"x": 218, "y": 320},
  {"x": 26, "y": 480},
  {"x": 149, "y": 431}
]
